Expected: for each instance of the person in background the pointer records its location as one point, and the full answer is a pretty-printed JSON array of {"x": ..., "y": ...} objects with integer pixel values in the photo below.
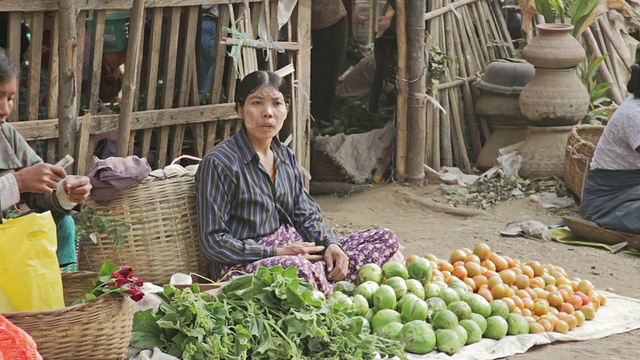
[
  {"x": 254, "y": 209},
  {"x": 611, "y": 196},
  {"x": 208, "y": 42},
  {"x": 329, "y": 34},
  {"x": 25, "y": 178}
]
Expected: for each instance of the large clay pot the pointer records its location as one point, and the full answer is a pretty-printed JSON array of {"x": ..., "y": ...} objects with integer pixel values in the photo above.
[
  {"x": 501, "y": 136},
  {"x": 554, "y": 97},
  {"x": 499, "y": 88},
  {"x": 500, "y": 109},
  {"x": 543, "y": 151},
  {"x": 554, "y": 48}
]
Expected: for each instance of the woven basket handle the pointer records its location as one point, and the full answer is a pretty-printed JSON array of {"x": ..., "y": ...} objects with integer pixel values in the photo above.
[{"x": 185, "y": 157}]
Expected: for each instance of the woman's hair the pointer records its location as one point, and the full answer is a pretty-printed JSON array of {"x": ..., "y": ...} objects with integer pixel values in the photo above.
[
  {"x": 8, "y": 68},
  {"x": 257, "y": 79},
  {"x": 633, "y": 86}
]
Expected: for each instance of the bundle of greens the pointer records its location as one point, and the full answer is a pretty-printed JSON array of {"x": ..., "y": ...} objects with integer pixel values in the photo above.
[{"x": 271, "y": 314}]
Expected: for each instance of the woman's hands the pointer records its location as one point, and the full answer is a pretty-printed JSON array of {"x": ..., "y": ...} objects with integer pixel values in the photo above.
[
  {"x": 307, "y": 249},
  {"x": 39, "y": 178},
  {"x": 337, "y": 262},
  {"x": 77, "y": 188}
]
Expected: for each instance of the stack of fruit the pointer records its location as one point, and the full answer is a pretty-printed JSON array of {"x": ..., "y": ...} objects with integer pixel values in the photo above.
[{"x": 429, "y": 303}]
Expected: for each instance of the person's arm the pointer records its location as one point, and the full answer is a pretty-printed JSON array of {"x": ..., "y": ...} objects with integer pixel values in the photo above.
[
  {"x": 307, "y": 216},
  {"x": 215, "y": 189},
  {"x": 10, "y": 192}
]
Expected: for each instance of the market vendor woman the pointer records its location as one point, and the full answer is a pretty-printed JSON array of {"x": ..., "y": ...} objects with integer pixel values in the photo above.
[
  {"x": 253, "y": 207},
  {"x": 611, "y": 196},
  {"x": 25, "y": 178}
]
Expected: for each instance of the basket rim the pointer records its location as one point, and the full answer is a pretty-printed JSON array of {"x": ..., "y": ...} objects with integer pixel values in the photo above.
[{"x": 34, "y": 313}]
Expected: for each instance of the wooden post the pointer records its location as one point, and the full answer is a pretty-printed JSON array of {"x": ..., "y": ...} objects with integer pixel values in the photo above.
[
  {"x": 401, "y": 103},
  {"x": 417, "y": 73},
  {"x": 67, "y": 102},
  {"x": 130, "y": 79},
  {"x": 302, "y": 128}
]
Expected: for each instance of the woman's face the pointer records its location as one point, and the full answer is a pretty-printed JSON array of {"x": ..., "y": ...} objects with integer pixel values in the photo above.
[
  {"x": 264, "y": 112},
  {"x": 7, "y": 95}
]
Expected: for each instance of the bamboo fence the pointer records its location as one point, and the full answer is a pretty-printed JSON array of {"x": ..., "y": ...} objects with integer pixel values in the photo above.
[
  {"x": 471, "y": 33},
  {"x": 160, "y": 109}
]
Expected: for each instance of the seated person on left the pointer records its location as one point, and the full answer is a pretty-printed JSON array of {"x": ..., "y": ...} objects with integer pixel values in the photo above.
[{"x": 25, "y": 178}]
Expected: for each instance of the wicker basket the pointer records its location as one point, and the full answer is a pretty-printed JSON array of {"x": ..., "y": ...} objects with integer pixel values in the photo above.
[
  {"x": 581, "y": 145},
  {"x": 99, "y": 329},
  {"x": 163, "y": 239},
  {"x": 323, "y": 168}
]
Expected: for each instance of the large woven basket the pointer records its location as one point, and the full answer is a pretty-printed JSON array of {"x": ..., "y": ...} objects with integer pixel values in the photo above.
[
  {"x": 581, "y": 146},
  {"x": 163, "y": 239},
  {"x": 99, "y": 329},
  {"x": 323, "y": 168}
]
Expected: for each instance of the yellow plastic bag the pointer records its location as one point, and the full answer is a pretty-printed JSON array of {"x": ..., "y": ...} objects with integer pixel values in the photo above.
[{"x": 30, "y": 276}]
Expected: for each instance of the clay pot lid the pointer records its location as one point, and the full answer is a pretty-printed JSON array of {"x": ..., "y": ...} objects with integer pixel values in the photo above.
[{"x": 506, "y": 76}]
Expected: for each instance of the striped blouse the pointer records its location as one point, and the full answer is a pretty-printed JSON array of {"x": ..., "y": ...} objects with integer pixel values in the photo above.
[{"x": 238, "y": 204}]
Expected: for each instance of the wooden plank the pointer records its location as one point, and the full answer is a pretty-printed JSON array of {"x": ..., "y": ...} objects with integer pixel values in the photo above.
[
  {"x": 51, "y": 5},
  {"x": 301, "y": 118},
  {"x": 81, "y": 20},
  {"x": 67, "y": 108},
  {"x": 130, "y": 79},
  {"x": 15, "y": 30},
  {"x": 54, "y": 80},
  {"x": 155, "y": 40},
  {"x": 197, "y": 129},
  {"x": 169, "y": 83},
  {"x": 35, "y": 65},
  {"x": 210, "y": 139},
  {"x": 83, "y": 150},
  {"x": 96, "y": 59},
  {"x": 139, "y": 82},
  {"x": 219, "y": 57},
  {"x": 445, "y": 9},
  {"x": 188, "y": 59},
  {"x": 48, "y": 129},
  {"x": 286, "y": 45}
]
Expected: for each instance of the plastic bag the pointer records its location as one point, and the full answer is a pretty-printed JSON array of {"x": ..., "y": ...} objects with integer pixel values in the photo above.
[
  {"x": 15, "y": 343},
  {"x": 30, "y": 277}
]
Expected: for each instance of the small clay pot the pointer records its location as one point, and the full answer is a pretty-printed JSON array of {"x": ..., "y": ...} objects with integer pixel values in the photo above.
[{"x": 554, "y": 47}]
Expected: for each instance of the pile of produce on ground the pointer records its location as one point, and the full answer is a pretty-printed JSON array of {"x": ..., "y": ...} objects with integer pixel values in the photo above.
[
  {"x": 418, "y": 306},
  {"x": 430, "y": 303},
  {"x": 268, "y": 315}
]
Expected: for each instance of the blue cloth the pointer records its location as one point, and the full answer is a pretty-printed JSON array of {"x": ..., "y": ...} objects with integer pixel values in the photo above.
[
  {"x": 66, "y": 227},
  {"x": 208, "y": 42},
  {"x": 611, "y": 198}
]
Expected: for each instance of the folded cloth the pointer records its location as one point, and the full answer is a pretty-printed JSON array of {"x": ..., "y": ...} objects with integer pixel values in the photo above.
[{"x": 111, "y": 176}]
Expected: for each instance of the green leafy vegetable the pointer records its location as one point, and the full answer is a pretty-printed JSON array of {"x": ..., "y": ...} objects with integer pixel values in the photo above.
[{"x": 267, "y": 315}]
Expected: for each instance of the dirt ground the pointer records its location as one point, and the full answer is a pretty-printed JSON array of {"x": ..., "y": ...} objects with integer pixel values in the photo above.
[{"x": 422, "y": 228}]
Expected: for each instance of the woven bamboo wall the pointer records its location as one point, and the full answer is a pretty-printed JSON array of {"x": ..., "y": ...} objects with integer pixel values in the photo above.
[{"x": 161, "y": 115}]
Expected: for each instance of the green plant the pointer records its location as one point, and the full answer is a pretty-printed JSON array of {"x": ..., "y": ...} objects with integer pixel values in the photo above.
[
  {"x": 89, "y": 223},
  {"x": 354, "y": 117},
  {"x": 551, "y": 9},
  {"x": 599, "y": 105}
]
